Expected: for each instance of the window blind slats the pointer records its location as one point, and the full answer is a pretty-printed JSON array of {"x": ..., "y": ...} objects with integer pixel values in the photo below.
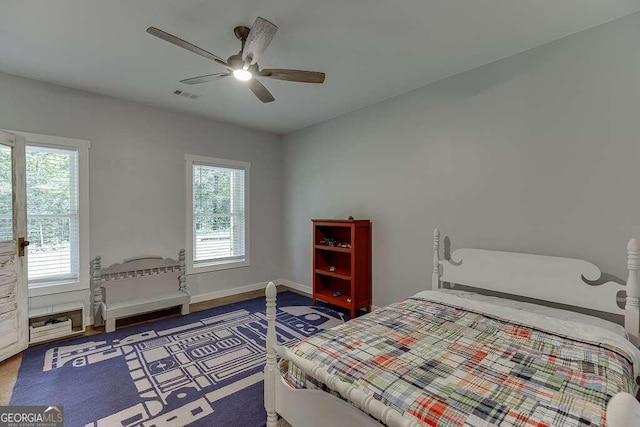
[
  {"x": 218, "y": 214},
  {"x": 52, "y": 213}
]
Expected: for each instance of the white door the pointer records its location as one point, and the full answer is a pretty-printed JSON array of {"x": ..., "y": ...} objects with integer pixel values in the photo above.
[{"x": 14, "y": 312}]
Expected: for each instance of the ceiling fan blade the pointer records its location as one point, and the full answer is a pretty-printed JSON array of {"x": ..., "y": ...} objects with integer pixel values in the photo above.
[
  {"x": 184, "y": 44},
  {"x": 260, "y": 91},
  {"x": 259, "y": 38},
  {"x": 204, "y": 79},
  {"x": 294, "y": 75}
]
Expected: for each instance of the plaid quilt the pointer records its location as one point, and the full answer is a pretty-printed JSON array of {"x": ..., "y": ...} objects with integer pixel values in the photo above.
[{"x": 449, "y": 366}]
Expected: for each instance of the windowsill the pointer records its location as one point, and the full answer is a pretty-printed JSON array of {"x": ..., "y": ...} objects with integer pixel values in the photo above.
[
  {"x": 55, "y": 288},
  {"x": 216, "y": 266}
]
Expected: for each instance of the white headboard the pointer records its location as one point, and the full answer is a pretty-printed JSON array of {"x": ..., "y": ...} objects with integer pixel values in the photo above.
[{"x": 566, "y": 281}]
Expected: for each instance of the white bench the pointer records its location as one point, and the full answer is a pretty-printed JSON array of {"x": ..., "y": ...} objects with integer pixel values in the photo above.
[{"x": 136, "y": 286}]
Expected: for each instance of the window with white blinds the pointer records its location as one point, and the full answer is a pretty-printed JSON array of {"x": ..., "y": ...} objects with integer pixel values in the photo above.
[
  {"x": 219, "y": 217},
  {"x": 52, "y": 214}
]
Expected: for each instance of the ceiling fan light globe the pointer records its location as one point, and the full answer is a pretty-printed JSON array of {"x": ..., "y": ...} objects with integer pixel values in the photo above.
[{"x": 242, "y": 75}]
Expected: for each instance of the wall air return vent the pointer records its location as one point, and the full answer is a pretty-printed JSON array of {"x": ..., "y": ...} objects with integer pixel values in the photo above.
[{"x": 185, "y": 94}]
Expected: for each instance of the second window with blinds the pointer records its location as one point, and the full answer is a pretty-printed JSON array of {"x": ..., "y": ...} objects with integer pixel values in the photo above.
[{"x": 217, "y": 214}]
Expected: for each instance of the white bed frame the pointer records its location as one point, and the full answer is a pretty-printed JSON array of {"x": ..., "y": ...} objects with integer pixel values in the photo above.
[{"x": 557, "y": 280}]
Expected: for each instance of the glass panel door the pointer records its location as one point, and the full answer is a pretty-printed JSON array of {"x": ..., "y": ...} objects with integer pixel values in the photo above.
[{"x": 14, "y": 331}]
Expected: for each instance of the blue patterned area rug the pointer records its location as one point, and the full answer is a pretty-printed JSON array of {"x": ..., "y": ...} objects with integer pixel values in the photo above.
[{"x": 203, "y": 369}]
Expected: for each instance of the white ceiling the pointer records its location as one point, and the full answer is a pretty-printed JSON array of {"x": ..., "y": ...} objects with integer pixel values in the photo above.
[{"x": 370, "y": 49}]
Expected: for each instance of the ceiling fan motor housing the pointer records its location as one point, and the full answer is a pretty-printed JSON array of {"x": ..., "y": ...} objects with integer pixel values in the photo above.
[
  {"x": 241, "y": 32},
  {"x": 235, "y": 63}
]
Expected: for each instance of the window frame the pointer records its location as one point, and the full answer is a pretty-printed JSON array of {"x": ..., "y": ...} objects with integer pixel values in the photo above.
[
  {"x": 190, "y": 161},
  {"x": 60, "y": 286}
]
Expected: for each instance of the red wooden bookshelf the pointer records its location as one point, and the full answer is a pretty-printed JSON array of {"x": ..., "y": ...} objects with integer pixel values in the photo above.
[{"x": 342, "y": 262}]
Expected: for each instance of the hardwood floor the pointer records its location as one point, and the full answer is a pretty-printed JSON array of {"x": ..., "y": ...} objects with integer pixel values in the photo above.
[
  {"x": 8, "y": 375},
  {"x": 9, "y": 368}
]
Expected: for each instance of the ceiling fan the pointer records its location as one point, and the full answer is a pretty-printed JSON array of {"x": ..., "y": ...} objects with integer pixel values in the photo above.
[{"x": 244, "y": 65}]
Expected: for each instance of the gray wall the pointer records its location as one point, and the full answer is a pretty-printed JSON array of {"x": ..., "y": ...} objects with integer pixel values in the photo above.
[
  {"x": 535, "y": 153},
  {"x": 137, "y": 174}
]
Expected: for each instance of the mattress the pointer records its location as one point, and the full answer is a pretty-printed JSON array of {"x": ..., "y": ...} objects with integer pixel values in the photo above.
[
  {"x": 554, "y": 313},
  {"x": 450, "y": 361}
]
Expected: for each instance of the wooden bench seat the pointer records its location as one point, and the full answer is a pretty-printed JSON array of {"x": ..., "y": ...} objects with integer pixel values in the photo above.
[{"x": 137, "y": 286}]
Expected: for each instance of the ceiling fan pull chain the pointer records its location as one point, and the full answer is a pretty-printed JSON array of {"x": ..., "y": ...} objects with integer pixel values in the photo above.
[{"x": 247, "y": 62}]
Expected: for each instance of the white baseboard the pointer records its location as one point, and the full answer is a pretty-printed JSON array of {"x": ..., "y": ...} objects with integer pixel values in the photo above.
[
  {"x": 250, "y": 288},
  {"x": 228, "y": 292},
  {"x": 242, "y": 289},
  {"x": 235, "y": 291},
  {"x": 297, "y": 286}
]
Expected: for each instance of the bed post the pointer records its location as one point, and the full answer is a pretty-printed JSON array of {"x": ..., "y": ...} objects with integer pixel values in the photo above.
[
  {"x": 95, "y": 271},
  {"x": 271, "y": 368},
  {"x": 435, "y": 276},
  {"x": 632, "y": 307}
]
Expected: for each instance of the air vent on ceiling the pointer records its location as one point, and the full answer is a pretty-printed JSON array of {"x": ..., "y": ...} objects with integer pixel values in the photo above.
[{"x": 185, "y": 94}]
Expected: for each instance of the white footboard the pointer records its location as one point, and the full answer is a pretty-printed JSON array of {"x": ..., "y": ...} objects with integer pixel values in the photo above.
[
  {"x": 316, "y": 408},
  {"x": 308, "y": 405}
]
